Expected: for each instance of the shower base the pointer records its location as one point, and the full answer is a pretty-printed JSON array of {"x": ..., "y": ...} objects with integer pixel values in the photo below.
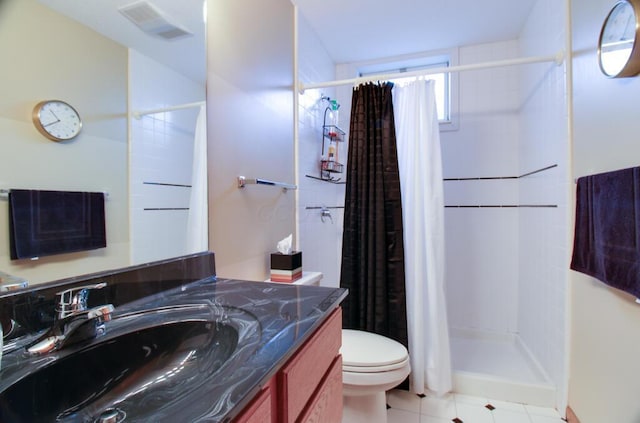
[{"x": 498, "y": 366}]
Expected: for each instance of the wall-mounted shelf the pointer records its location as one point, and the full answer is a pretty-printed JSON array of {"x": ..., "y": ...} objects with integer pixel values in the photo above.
[
  {"x": 331, "y": 180},
  {"x": 333, "y": 133},
  {"x": 331, "y": 166}
]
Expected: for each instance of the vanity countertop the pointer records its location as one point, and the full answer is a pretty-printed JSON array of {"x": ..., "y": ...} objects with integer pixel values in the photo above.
[{"x": 272, "y": 321}]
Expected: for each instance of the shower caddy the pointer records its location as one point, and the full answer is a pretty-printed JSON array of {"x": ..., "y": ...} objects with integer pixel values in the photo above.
[{"x": 332, "y": 133}]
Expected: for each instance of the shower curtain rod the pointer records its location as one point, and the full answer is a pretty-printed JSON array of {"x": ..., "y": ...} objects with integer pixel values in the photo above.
[
  {"x": 139, "y": 114},
  {"x": 558, "y": 58}
]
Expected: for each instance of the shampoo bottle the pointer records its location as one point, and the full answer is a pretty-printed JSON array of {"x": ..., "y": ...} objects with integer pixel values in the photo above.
[{"x": 332, "y": 151}]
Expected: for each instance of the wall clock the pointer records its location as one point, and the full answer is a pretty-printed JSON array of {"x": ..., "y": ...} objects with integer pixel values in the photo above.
[
  {"x": 56, "y": 120},
  {"x": 618, "y": 50}
]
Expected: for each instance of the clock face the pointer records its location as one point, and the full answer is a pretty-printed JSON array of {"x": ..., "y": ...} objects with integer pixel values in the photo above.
[
  {"x": 56, "y": 120},
  {"x": 616, "y": 50},
  {"x": 620, "y": 28}
]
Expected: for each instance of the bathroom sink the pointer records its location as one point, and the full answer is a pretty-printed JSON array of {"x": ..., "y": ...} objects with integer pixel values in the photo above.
[{"x": 131, "y": 372}]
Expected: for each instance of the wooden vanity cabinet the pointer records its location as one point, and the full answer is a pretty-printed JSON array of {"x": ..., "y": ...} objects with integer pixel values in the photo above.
[
  {"x": 307, "y": 383},
  {"x": 308, "y": 388}
]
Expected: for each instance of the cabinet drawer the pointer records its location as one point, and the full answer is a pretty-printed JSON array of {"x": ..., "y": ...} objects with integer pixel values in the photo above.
[
  {"x": 326, "y": 404},
  {"x": 301, "y": 376}
]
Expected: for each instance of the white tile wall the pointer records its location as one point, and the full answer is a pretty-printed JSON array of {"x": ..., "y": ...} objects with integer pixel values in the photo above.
[
  {"x": 161, "y": 152},
  {"x": 482, "y": 266},
  {"x": 482, "y": 244},
  {"x": 486, "y": 143},
  {"x": 544, "y": 233}
]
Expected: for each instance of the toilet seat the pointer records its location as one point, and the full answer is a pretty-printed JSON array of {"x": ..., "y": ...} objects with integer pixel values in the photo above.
[
  {"x": 366, "y": 352},
  {"x": 375, "y": 369},
  {"x": 371, "y": 365}
]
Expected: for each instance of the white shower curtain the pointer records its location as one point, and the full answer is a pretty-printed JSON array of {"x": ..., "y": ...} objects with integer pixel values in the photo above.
[
  {"x": 420, "y": 165},
  {"x": 198, "y": 219}
]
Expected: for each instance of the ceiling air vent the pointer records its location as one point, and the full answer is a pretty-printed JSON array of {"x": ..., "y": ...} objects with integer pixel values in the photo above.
[{"x": 153, "y": 21}]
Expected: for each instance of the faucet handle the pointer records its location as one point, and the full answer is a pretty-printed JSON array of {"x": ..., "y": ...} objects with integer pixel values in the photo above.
[
  {"x": 102, "y": 312},
  {"x": 73, "y": 300}
]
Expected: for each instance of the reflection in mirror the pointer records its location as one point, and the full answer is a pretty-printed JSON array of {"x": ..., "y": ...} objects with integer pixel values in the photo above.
[
  {"x": 90, "y": 55},
  {"x": 617, "y": 41}
]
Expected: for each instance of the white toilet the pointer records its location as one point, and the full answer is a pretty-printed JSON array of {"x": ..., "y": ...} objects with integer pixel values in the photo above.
[{"x": 371, "y": 365}]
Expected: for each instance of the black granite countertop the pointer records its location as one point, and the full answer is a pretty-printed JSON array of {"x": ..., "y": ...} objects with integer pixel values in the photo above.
[{"x": 258, "y": 327}]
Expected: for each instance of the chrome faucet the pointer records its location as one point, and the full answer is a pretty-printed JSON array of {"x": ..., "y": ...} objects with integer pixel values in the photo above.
[
  {"x": 74, "y": 321},
  {"x": 73, "y": 301}
]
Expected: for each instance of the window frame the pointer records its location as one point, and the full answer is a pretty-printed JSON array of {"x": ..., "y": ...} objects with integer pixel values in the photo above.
[{"x": 425, "y": 60}]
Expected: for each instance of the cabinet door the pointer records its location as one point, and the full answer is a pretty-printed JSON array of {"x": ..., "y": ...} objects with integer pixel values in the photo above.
[
  {"x": 326, "y": 404},
  {"x": 259, "y": 411},
  {"x": 301, "y": 376}
]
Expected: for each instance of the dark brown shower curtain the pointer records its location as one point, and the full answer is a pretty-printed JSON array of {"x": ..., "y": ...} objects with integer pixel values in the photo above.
[{"x": 372, "y": 248}]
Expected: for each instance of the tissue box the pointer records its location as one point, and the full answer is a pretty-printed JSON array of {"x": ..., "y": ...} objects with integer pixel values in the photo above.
[{"x": 286, "y": 267}]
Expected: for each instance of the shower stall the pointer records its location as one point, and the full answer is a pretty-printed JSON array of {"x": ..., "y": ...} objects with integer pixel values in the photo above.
[
  {"x": 507, "y": 221},
  {"x": 507, "y": 198}
]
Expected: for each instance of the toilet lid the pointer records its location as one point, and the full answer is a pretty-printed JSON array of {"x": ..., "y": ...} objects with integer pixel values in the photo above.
[{"x": 366, "y": 351}]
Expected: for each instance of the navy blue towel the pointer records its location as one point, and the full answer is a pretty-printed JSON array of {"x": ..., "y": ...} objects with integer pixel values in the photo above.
[
  {"x": 607, "y": 232},
  {"x": 43, "y": 223}
]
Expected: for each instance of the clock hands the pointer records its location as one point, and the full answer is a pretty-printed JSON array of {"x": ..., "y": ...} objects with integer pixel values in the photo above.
[{"x": 52, "y": 123}]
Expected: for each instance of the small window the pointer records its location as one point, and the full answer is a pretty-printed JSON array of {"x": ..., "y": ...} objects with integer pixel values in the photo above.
[{"x": 446, "y": 83}]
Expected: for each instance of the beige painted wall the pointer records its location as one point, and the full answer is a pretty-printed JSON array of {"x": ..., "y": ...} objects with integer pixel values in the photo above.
[
  {"x": 47, "y": 56},
  {"x": 250, "y": 131},
  {"x": 605, "y": 323}
]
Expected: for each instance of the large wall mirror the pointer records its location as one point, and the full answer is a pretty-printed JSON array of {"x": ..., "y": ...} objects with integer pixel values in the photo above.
[{"x": 107, "y": 59}]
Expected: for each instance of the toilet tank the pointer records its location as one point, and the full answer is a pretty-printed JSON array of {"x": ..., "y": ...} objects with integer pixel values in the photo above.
[{"x": 308, "y": 278}]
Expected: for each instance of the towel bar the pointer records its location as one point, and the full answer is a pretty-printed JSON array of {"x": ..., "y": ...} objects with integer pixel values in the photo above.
[
  {"x": 4, "y": 194},
  {"x": 242, "y": 181}
]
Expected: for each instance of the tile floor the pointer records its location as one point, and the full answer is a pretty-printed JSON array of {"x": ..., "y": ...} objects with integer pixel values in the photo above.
[{"x": 409, "y": 408}]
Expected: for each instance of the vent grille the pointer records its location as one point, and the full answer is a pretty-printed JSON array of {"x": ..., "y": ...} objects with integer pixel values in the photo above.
[
  {"x": 140, "y": 13},
  {"x": 173, "y": 33},
  {"x": 153, "y": 21}
]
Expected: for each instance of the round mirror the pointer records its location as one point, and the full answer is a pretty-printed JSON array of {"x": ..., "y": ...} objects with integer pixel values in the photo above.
[{"x": 617, "y": 49}]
